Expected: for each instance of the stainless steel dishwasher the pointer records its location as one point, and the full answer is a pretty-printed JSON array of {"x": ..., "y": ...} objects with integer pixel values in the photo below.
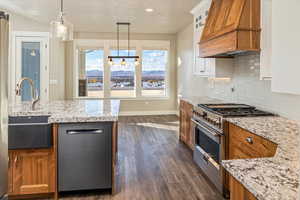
[{"x": 84, "y": 156}]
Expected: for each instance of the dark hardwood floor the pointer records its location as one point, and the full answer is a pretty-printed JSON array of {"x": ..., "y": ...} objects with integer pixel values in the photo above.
[{"x": 153, "y": 164}]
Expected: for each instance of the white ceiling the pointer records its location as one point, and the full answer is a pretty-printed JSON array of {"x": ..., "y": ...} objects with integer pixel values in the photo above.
[{"x": 169, "y": 16}]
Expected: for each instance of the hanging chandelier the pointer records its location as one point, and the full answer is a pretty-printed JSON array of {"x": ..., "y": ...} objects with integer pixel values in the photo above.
[
  {"x": 61, "y": 28},
  {"x": 123, "y": 58}
]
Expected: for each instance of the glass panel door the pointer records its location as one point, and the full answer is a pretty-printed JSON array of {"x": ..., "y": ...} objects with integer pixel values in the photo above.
[{"x": 31, "y": 62}]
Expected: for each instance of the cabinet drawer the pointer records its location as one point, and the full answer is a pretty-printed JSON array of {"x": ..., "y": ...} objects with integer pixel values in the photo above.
[{"x": 243, "y": 144}]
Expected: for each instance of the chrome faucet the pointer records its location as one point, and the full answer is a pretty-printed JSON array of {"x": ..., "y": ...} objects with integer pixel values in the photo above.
[{"x": 34, "y": 93}]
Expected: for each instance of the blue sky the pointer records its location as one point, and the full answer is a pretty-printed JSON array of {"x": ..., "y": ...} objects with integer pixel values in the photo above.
[{"x": 152, "y": 60}]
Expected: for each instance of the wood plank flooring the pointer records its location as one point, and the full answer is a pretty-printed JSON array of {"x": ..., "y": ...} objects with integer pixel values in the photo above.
[{"x": 153, "y": 164}]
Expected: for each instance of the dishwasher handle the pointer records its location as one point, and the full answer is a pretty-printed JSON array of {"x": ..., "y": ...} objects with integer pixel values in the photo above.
[{"x": 84, "y": 131}]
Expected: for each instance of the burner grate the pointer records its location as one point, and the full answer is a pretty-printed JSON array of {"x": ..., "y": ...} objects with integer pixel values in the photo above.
[{"x": 234, "y": 110}]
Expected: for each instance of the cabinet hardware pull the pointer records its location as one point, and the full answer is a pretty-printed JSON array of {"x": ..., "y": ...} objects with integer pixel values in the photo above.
[{"x": 249, "y": 140}]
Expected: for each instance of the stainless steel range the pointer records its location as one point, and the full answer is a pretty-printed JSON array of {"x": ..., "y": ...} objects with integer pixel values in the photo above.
[{"x": 208, "y": 120}]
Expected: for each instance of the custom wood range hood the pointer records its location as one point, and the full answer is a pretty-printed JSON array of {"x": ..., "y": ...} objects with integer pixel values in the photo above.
[{"x": 232, "y": 27}]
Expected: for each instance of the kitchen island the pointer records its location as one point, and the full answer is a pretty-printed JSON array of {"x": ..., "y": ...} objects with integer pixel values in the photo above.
[{"x": 93, "y": 119}]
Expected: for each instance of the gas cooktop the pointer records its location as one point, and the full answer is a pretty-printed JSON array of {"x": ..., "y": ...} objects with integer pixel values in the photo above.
[{"x": 234, "y": 110}]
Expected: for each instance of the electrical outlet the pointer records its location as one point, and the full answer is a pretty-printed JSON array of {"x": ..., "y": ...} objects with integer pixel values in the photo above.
[{"x": 53, "y": 82}]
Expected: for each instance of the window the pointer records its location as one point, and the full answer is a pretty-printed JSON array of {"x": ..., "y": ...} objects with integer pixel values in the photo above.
[
  {"x": 96, "y": 77},
  {"x": 90, "y": 73},
  {"x": 154, "y": 72},
  {"x": 122, "y": 80}
]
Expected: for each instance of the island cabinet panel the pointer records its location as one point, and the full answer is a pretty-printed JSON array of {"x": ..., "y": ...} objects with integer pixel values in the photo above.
[
  {"x": 242, "y": 144},
  {"x": 32, "y": 172},
  {"x": 10, "y": 172},
  {"x": 186, "y": 132}
]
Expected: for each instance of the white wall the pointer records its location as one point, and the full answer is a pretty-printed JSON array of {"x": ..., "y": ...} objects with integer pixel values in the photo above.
[
  {"x": 133, "y": 106},
  {"x": 188, "y": 84},
  {"x": 57, "y": 50},
  {"x": 247, "y": 86}
]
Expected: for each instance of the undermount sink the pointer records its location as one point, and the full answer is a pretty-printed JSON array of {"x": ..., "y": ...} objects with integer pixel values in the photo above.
[{"x": 29, "y": 132}]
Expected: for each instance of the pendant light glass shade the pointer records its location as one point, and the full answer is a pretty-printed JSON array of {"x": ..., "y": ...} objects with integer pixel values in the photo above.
[
  {"x": 63, "y": 31},
  {"x": 110, "y": 62},
  {"x": 123, "y": 62},
  {"x": 136, "y": 62},
  {"x": 61, "y": 28}
]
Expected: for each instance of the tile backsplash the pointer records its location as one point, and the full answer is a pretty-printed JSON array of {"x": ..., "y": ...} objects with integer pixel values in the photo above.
[{"x": 245, "y": 87}]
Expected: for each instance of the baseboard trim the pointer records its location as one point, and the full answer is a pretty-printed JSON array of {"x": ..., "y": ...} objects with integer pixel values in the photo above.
[{"x": 141, "y": 113}]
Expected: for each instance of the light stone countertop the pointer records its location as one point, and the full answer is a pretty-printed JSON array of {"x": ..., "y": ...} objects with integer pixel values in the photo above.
[
  {"x": 275, "y": 178},
  {"x": 70, "y": 111}
]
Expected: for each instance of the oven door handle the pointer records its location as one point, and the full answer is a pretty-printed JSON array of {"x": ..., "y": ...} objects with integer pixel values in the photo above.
[
  {"x": 203, "y": 127},
  {"x": 208, "y": 159},
  {"x": 214, "y": 163}
]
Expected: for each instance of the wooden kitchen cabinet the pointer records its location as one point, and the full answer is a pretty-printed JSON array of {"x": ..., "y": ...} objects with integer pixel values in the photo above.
[
  {"x": 238, "y": 192},
  {"x": 242, "y": 144},
  {"x": 10, "y": 172},
  {"x": 31, "y": 172},
  {"x": 186, "y": 132}
]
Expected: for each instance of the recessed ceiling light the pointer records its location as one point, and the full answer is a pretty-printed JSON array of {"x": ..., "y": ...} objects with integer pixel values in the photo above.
[{"x": 149, "y": 10}]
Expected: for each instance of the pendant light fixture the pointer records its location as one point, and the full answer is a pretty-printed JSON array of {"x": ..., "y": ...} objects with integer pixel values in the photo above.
[
  {"x": 61, "y": 28},
  {"x": 123, "y": 58}
]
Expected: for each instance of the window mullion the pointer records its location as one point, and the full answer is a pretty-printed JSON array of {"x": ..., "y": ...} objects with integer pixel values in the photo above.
[
  {"x": 107, "y": 71},
  {"x": 138, "y": 71}
]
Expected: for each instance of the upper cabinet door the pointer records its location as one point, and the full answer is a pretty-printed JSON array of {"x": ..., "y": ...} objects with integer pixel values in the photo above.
[
  {"x": 200, "y": 13},
  {"x": 266, "y": 40},
  {"x": 285, "y": 46},
  {"x": 207, "y": 67}
]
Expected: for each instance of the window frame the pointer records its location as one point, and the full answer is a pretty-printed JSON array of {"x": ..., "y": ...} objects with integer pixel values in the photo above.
[
  {"x": 106, "y": 46},
  {"x": 167, "y": 71},
  {"x": 77, "y": 68}
]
